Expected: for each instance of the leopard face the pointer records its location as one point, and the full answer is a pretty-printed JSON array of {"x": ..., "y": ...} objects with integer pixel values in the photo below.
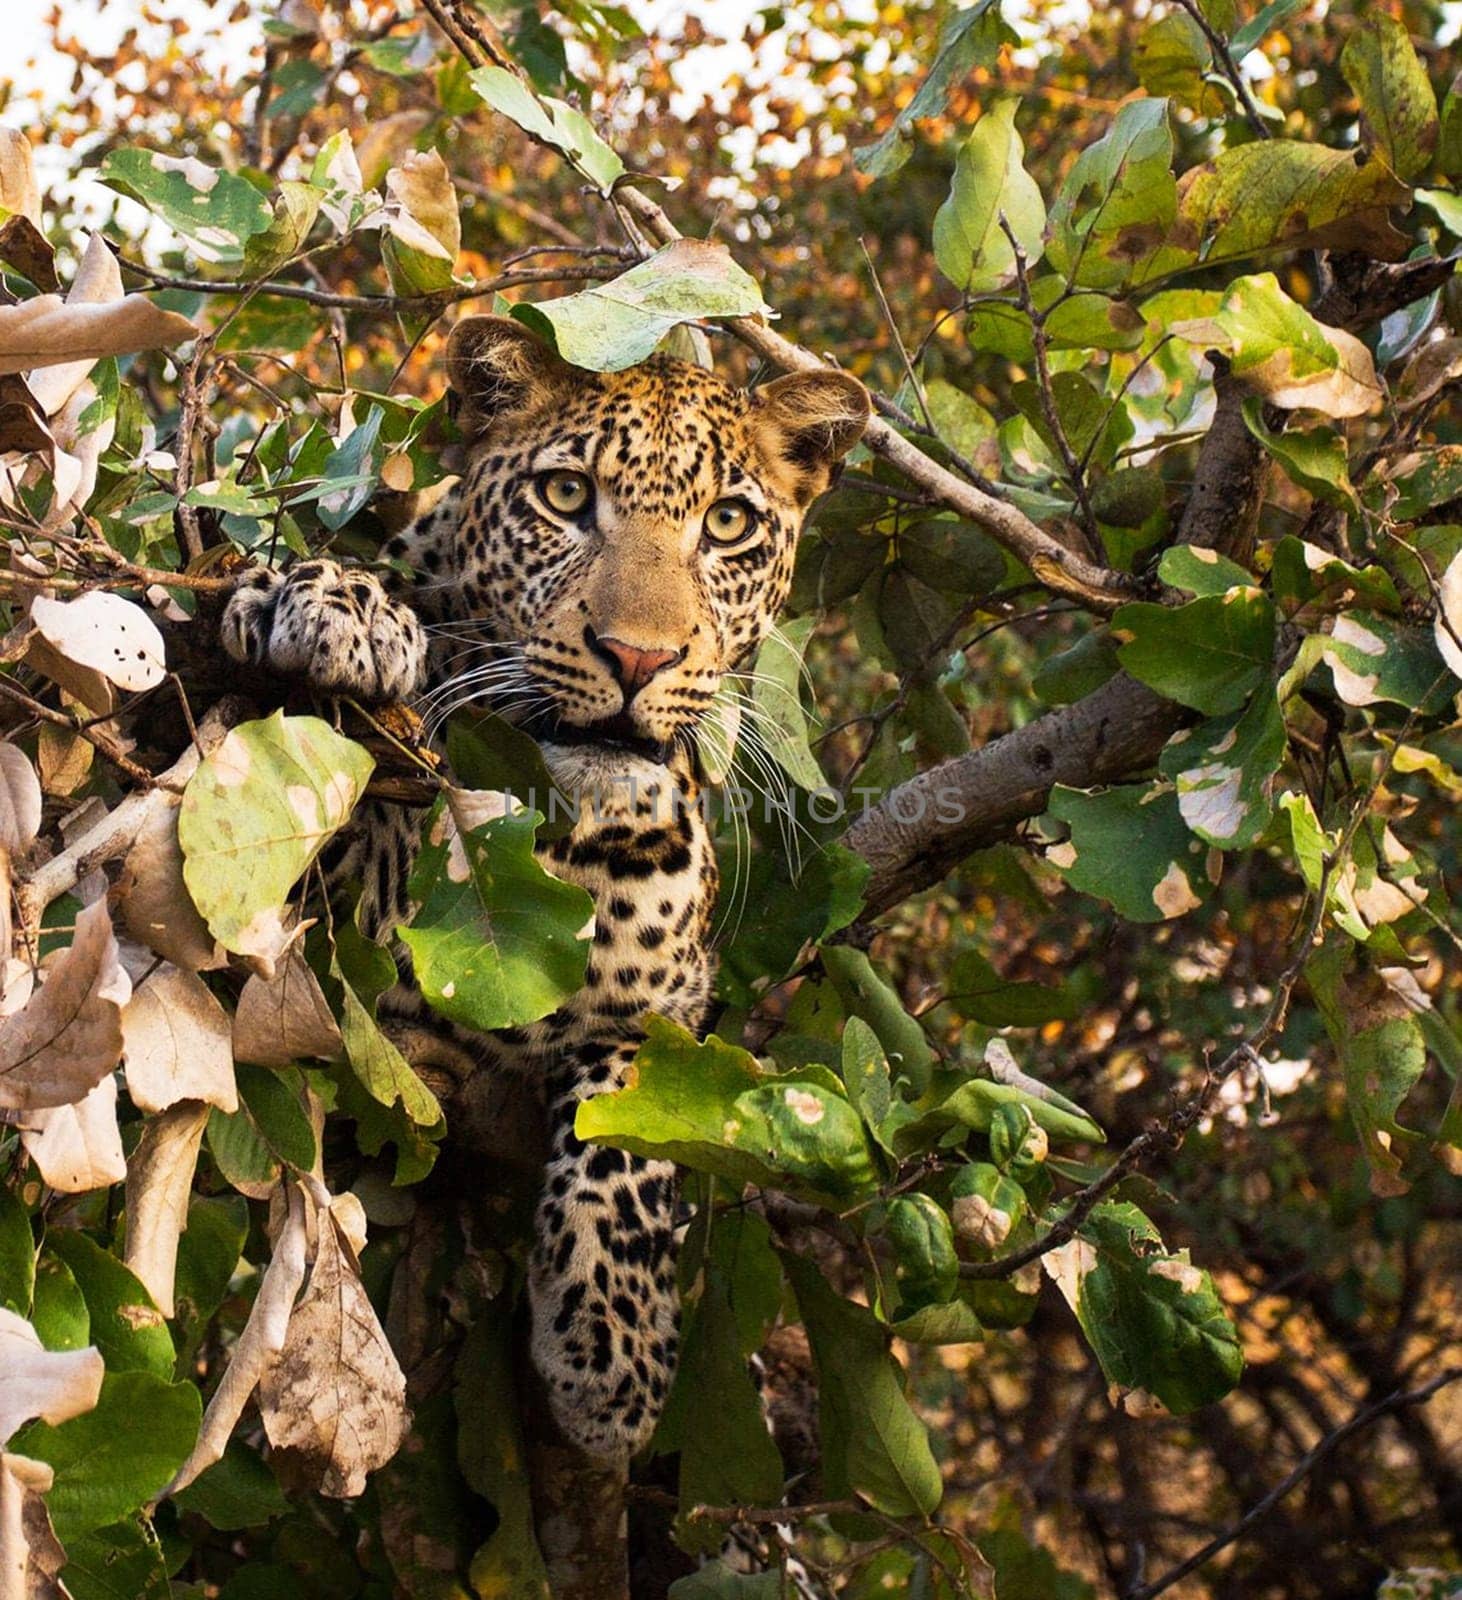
[{"x": 618, "y": 541}]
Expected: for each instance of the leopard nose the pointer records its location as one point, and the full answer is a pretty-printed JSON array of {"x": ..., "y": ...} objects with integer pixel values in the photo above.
[{"x": 632, "y": 665}]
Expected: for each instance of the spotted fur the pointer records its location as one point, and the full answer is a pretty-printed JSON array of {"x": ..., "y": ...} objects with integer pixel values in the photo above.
[{"x": 606, "y": 631}]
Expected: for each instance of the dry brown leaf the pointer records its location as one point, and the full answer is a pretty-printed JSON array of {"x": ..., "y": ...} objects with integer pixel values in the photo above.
[
  {"x": 383, "y": 142},
  {"x": 106, "y": 633},
  {"x": 24, "y": 247},
  {"x": 424, "y": 215},
  {"x": 98, "y": 282},
  {"x": 20, "y": 802},
  {"x": 18, "y": 191},
  {"x": 334, "y": 1399},
  {"x": 90, "y": 688},
  {"x": 78, "y": 1147},
  {"x": 263, "y": 1337},
  {"x": 68, "y": 1037},
  {"x": 45, "y": 332},
  {"x": 284, "y": 1019},
  {"x": 50, "y": 1384},
  {"x": 30, "y": 1553},
  {"x": 155, "y": 906},
  {"x": 159, "y": 1184},
  {"x": 65, "y": 759},
  {"x": 176, "y": 1045}
]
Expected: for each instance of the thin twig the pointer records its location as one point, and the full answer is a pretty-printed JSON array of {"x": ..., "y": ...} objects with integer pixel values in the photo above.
[
  {"x": 1225, "y": 57},
  {"x": 1307, "y": 1463}
]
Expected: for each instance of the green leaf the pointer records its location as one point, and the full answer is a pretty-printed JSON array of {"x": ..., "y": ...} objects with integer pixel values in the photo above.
[
  {"x": 866, "y": 1078},
  {"x": 776, "y": 694},
  {"x": 772, "y": 914},
  {"x": 1373, "y": 658},
  {"x": 717, "y": 1581},
  {"x": 122, "y": 1562},
  {"x": 1262, "y": 23},
  {"x": 1426, "y": 479},
  {"x": 1398, "y": 107},
  {"x": 1064, "y": 678},
  {"x": 126, "y": 1325},
  {"x": 17, "y": 1255},
  {"x": 953, "y": 1322},
  {"x": 239, "y": 1151},
  {"x": 736, "y": 1462},
  {"x": 216, "y": 212},
  {"x": 112, "y": 1460},
  {"x": 494, "y": 1462},
  {"x": 968, "y": 39},
  {"x": 1111, "y": 220},
  {"x": 274, "y": 1107},
  {"x": 1092, "y": 425},
  {"x": 1286, "y": 194},
  {"x": 497, "y": 941},
  {"x": 379, "y": 1067},
  {"x": 349, "y": 474},
  {"x": 1152, "y": 1319},
  {"x": 487, "y": 752},
  {"x": 1280, "y": 350},
  {"x": 873, "y": 1445},
  {"x": 1201, "y": 571},
  {"x": 990, "y": 191},
  {"x": 1023, "y": 1571},
  {"x": 236, "y": 1492},
  {"x": 974, "y": 1103},
  {"x": 1224, "y": 772},
  {"x": 1173, "y": 58},
  {"x": 1382, "y": 1051},
  {"x": 1314, "y": 459},
  {"x": 1209, "y": 654},
  {"x": 614, "y": 325},
  {"x": 978, "y": 993},
  {"x": 256, "y": 813},
  {"x": 1130, "y": 846},
  {"x": 709, "y": 1106},
  {"x": 59, "y": 1313},
  {"x": 553, "y": 122},
  {"x": 208, "y": 1256},
  {"x": 293, "y": 216},
  {"x": 866, "y": 993},
  {"x": 923, "y": 1245},
  {"x": 741, "y": 1251}
]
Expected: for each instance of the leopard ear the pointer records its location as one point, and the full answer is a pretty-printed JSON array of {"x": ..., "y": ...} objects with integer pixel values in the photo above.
[
  {"x": 496, "y": 366},
  {"x": 811, "y": 420}
]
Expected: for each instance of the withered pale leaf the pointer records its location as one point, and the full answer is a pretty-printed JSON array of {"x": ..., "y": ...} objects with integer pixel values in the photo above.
[
  {"x": 263, "y": 1337},
  {"x": 30, "y": 1553},
  {"x": 90, "y": 688},
  {"x": 112, "y": 636},
  {"x": 284, "y": 1019},
  {"x": 153, "y": 900},
  {"x": 68, "y": 1037},
  {"x": 45, "y": 332},
  {"x": 18, "y": 191},
  {"x": 159, "y": 1183},
  {"x": 50, "y": 1384},
  {"x": 334, "y": 1399},
  {"x": 78, "y": 1147},
  {"x": 98, "y": 282},
  {"x": 176, "y": 1044},
  {"x": 20, "y": 802},
  {"x": 65, "y": 759}
]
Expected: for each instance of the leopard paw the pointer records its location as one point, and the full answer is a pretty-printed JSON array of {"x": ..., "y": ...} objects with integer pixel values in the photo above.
[{"x": 334, "y": 626}]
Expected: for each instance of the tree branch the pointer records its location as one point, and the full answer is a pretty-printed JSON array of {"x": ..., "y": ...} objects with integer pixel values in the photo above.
[{"x": 1307, "y": 1463}]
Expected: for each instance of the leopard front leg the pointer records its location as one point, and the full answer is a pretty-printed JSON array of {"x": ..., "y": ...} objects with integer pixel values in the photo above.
[
  {"x": 334, "y": 626},
  {"x": 602, "y": 1277}
]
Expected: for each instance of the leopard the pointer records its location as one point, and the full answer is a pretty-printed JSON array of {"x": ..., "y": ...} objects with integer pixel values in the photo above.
[{"x": 618, "y": 544}]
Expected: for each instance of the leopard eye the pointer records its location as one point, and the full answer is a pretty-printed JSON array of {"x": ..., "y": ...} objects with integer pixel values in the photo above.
[
  {"x": 567, "y": 493},
  {"x": 729, "y": 521}
]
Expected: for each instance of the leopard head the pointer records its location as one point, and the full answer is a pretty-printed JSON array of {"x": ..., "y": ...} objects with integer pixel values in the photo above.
[{"x": 626, "y": 537}]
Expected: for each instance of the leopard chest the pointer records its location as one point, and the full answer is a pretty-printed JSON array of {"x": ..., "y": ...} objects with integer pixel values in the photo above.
[{"x": 641, "y": 849}]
